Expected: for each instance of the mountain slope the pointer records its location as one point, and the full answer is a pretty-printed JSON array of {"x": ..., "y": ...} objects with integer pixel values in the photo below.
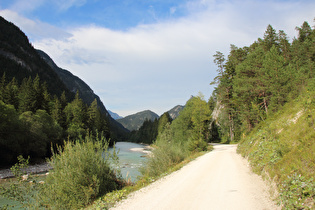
[
  {"x": 283, "y": 147},
  {"x": 114, "y": 115},
  {"x": 134, "y": 122},
  {"x": 74, "y": 84},
  {"x": 19, "y": 59},
  {"x": 174, "y": 112}
]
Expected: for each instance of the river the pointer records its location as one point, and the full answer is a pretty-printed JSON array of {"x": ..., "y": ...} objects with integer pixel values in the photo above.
[{"x": 131, "y": 158}]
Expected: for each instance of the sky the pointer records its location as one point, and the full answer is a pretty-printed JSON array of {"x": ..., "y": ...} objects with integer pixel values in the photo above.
[{"x": 149, "y": 54}]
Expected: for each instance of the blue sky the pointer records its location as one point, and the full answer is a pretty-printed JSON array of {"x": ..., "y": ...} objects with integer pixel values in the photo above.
[{"x": 149, "y": 54}]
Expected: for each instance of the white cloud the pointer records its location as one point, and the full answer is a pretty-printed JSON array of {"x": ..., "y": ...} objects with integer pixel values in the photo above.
[
  {"x": 22, "y": 6},
  {"x": 35, "y": 29},
  {"x": 66, "y": 4},
  {"x": 173, "y": 10},
  {"x": 160, "y": 65}
]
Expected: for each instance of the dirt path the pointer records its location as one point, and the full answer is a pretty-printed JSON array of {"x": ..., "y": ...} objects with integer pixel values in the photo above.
[{"x": 220, "y": 179}]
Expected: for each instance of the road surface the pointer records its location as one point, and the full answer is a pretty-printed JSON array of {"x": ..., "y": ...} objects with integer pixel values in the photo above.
[{"x": 220, "y": 179}]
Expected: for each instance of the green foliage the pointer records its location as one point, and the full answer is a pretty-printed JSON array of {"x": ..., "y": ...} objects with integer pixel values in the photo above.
[
  {"x": 11, "y": 134},
  {"x": 283, "y": 147},
  {"x": 256, "y": 81},
  {"x": 109, "y": 200},
  {"x": 81, "y": 173},
  {"x": 43, "y": 131},
  {"x": 200, "y": 124},
  {"x": 163, "y": 121},
  {"x": 23, "y": 189},
  {"x": 17, "y": 169},
  {"x": 265, "y": 98},
  {"x": 147, "y": 133},
  {"x": 149, "y": 130},
  {"x": 31, "y": 81},
  {"x": 167, "y": 154},
  {"x": 179, "y": 139},
  {"x": 31, "y": 120},
  {"x": 298, "y": 192}
]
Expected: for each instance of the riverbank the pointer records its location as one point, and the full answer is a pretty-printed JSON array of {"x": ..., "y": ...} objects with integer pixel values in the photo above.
[
  {"x": 32, "y": 169},
  {"x": 45, "y": 167},
  {"x": 146, "y": 149}
]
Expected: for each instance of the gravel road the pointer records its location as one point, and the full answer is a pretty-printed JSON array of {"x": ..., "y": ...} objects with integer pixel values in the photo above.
[{"x": 220, "y": 179}]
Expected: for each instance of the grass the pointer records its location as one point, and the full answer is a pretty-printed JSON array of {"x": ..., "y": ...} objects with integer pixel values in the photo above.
[{"x": 283, "y": 148}]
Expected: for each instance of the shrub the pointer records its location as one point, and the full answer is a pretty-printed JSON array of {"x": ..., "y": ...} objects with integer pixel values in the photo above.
[
  {"x": 81, "y": 172},
  {"x": 167, "y": 153}
]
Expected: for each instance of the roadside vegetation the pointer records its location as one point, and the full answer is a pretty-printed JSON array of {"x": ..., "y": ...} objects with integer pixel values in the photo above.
[
  {"x": 265, "y": 101},
  {"x": 283, "y": 150},
  {"x": 177, "y": 140}
]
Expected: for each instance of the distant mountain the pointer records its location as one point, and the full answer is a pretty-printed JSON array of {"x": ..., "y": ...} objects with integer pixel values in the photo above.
[
  {"x": 134, "y": 122},
  {"x": 114, "y": 115},
  {"x": 175, "y": 111}
]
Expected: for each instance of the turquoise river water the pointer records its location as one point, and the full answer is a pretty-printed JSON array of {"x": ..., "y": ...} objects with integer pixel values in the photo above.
[{"x": 130, "y": 161}]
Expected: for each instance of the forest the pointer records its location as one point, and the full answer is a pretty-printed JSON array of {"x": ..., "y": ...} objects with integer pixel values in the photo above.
[
  {"x": 32, "y": 121},
  {"x": 257, "y": 80}
]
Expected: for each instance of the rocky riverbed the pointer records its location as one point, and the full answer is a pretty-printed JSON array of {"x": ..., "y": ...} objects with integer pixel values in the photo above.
[{"x": 32, "y": 169}]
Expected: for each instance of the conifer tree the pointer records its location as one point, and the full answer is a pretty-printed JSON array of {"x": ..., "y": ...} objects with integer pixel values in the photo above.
[
  {"x": 56, "y": 112},
  {"x": 46, "y": 103},
  {"x": 97, "y": 121},
  {"x": 76, "y": 117},
  {"x": 10, "y": 93},
  {"x": 249, "y": 88},
  {"x": 275, "y": 78},
  {"x": 38, "y": 94},
  {"x": 284, "y": 45},
  {"x": 270, "y": 38},
  {"x": 200, "y": 118},
  {"x": 27, "y": 97},
  {"x": 163, "y": 121}
]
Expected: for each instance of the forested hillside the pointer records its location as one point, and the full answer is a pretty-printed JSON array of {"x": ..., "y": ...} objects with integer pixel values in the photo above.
[
  {"x": 20, "y": 60},
  {"x": 265, "y": 99},
  {"x": 75, "y": 84},
  {"x": 36, "y": 108},
  {"x": 257, "y": 80},
  {"x": 32, "y": 120}
]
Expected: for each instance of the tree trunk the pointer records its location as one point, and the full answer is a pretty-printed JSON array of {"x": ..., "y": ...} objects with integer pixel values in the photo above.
[{"x": 231, "y": 128}]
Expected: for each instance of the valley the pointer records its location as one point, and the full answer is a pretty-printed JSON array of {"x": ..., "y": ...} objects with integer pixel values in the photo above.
[{"x": 262, "y": 107}]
